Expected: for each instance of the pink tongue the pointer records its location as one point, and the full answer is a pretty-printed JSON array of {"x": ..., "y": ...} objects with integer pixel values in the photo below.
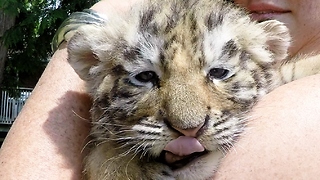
[{"x": 183, "y": 146}]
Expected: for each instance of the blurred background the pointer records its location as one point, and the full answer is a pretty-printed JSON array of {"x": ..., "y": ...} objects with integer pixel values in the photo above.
[{"x": 26, "y": 30}]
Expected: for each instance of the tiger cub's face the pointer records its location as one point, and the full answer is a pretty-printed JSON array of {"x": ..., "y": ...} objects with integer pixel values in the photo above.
[{"x": 173, "y": 81}]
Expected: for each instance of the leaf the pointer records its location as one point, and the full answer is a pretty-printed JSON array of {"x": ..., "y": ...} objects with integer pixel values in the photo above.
[{"x": 10, "y": 7}]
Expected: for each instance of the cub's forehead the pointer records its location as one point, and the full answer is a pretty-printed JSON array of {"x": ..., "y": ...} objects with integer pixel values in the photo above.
[
  {"x": 148, "y": 49},
  {"x": 156, "y": 52},
  {"x": 209, "y": 28}
]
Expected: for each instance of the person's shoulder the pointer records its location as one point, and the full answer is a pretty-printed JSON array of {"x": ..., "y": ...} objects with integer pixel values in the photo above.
[{"x": 299, "y": 98}]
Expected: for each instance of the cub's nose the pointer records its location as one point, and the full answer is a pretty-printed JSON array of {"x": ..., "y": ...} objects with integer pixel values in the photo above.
[{"x": 191, "y": 132}]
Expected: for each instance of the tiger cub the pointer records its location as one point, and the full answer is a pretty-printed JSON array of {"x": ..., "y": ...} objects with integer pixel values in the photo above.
[{"x": 172, "y": 82}]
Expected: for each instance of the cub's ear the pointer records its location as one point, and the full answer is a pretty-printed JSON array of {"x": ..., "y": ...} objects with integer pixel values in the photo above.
[
  {"x": 81, "y": 55},
  {"x": 278, "y": 38}
]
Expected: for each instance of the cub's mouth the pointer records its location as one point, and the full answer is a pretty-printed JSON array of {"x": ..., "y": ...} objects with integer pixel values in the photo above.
[
  {"x": 181, "y": 151},
  {"x": 177, "y": 162}
]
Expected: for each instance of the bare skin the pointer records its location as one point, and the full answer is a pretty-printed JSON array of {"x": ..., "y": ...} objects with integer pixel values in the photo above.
[
  {"x": 282, "y": 139},
  {"x": 47, "y": 138}
]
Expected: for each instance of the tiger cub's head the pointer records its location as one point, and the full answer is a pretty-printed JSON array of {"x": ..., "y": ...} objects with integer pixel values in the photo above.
[{"x": 176, "y": 74}]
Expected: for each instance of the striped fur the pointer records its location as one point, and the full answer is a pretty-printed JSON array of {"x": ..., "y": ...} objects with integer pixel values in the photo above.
[{"x": 159, "y": 67}]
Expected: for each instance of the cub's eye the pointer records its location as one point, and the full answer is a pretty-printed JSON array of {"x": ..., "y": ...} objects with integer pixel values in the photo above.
[
  {"x": 146, "y": 76},
  {"x": 218, "y": 73}
]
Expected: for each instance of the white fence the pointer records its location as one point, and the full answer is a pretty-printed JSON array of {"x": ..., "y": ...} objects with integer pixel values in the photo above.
[{"x": 11, "y": 103}]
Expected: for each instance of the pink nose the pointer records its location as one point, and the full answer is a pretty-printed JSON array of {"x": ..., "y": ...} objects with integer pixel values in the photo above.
[{"x": 190, "y": 132}]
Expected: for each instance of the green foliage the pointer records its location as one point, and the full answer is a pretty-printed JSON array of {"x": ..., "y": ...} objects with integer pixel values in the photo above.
[
  {"x": 11, "y": 7},
  {"x": 29, "y": 39}
]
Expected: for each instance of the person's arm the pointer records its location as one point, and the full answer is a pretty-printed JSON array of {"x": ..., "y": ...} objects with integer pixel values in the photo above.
[
  {"x": 282, "y": 139},
  {"x": 46, "y": 140}
]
